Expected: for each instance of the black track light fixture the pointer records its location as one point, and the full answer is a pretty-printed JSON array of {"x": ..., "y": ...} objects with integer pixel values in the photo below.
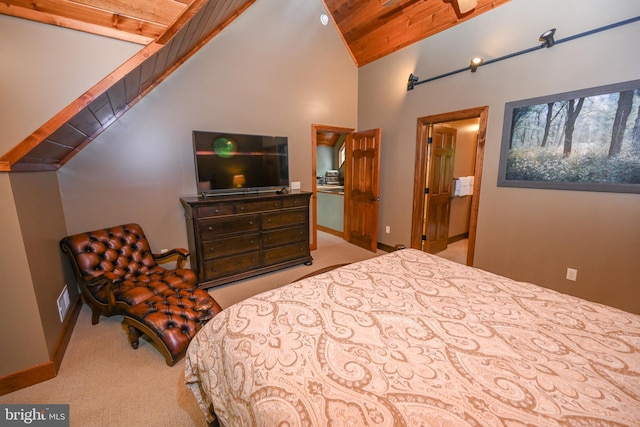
[
  {"x": 476, "y": 61},
  {"x": 412, "y": 81},
  {"x": 547, "y": 38}
]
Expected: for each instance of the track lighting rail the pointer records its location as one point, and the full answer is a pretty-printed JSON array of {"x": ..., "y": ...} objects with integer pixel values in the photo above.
[{"x": 546, "y": 38}]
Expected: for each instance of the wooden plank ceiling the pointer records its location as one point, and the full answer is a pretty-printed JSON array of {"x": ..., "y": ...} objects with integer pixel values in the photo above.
[
  {"x": 173, "y": 30},
  {"x": 373, "y": 29},
  {"x": 138, "y": 21}
]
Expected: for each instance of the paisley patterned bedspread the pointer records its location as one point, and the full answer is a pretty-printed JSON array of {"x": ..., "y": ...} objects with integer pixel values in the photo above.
[{"x": 411, "y": 339}]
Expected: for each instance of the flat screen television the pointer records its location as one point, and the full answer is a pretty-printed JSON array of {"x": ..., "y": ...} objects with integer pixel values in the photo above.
[{"x": 231, "y": 163}]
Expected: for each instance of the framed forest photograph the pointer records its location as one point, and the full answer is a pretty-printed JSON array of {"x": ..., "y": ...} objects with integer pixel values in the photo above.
[{"x": 582, "y": 140}]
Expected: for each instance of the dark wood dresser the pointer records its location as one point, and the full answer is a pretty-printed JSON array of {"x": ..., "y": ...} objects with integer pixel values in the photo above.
[{"x": 239, "y": 236}]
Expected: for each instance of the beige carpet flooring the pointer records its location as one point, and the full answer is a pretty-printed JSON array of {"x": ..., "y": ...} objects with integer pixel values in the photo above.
[
  {"x": 456, "y": 251},
  {"x": 107, "y": 383}
]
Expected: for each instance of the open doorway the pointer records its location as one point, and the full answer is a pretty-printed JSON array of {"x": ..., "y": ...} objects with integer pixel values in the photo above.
[
  {"x": 327, "y": 213},
  {"x": 354, "y": 177},
  {"x": 438, "y": 181}
]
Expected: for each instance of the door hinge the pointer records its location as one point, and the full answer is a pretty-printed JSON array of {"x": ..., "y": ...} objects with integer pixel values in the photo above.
[
  {"x": 424, "y": 238},
  {"x": 430, "y": 140},
  {"x": 426, "y": 191}
]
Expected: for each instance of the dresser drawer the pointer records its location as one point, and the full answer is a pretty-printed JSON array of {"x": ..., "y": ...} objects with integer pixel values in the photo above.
[
  {"x": 229, "y": 265},
  {"x": 283, "y": 218},
  {"x": 288, "y": 235},
  {"x": 230, "y": 245},
  {"x": 215, "y": 210},
  {"x": 283, "y": 253},
  {"x": 294, "y": 202},
  {"x": 212, "y": 227},
  {"x": 264, "y": 205}
]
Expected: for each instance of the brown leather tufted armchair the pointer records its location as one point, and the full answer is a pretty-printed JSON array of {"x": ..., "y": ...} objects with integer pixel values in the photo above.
[{"x": 119, "y": 275}]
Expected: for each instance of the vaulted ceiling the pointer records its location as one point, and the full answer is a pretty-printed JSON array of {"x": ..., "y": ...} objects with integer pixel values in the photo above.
[
  {"x": 373, "y": 29},
  {"x": 170, "y": 31}
]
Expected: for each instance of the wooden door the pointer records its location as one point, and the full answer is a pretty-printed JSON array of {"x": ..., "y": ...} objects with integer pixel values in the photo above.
[
  {"x": 421, "y": 176},
  {"x": 362, "y": 188},
  {"x": 439, "y": 188}
]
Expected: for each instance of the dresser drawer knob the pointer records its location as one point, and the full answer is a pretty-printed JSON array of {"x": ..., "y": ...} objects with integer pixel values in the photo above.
[{"x": 210, "y": 228}]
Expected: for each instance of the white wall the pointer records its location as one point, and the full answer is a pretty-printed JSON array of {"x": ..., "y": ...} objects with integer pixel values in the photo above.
[
  {"x": 19, "y": 331},
  {"x": 532, "y": 235},
  {"x": 44, "y": 68}
]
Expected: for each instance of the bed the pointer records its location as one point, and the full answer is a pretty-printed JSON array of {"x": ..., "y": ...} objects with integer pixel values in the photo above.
[{"x": 412, "y": 339}]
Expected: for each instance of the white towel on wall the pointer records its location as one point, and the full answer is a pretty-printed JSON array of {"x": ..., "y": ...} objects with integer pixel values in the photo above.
[{"x": 464, "y": 186}]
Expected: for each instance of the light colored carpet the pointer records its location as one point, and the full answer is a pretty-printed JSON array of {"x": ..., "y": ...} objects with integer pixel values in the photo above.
[
  {"x": 456, "y": 251},
  {"x": 107, "y": 383}
]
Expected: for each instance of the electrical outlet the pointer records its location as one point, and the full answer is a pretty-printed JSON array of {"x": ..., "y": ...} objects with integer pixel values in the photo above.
[
  {"x": 387, "y": 229},
  {"x": 572, "y": 274}
]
